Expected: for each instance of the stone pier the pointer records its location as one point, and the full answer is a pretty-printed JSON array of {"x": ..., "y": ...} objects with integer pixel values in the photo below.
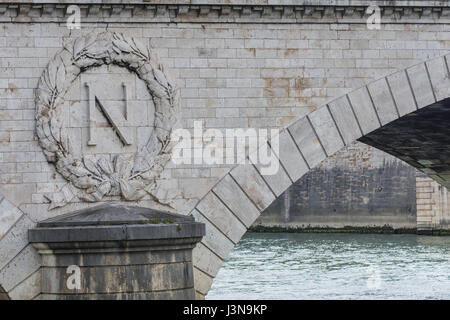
[
  {"x": 117, "y": 252},
  {"x": 433, "y": 206}
]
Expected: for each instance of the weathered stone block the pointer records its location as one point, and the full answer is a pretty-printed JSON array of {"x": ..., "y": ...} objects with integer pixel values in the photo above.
[
  {"x": 139, "y": 278},
  {"x": 439, "y": 76},
  {"x": 229, "y": 192},
  {"x": 401, "y": 90},
  {"x": 278, "y": 182},
  {"x": 307, "y": 141},
  {"x": 29, "y": 289},
  {"x": 290, "y": 157},
  {"x": 383, "y": 101},
  {"x": 214, "y": 238},
  {"x": 9, "y": 215},
  {"x": 180, "y": 294},
  {"x": 253, "y": 185},
  {"x": 420, "y": 83},
  {"x": 206, "y": 260},
  {"x": 423, "y": 207},
  {"x": 364, "y": 110},
  {"x": 15, "y": 240},
  {"x": 216, "y": 212},
  {"x": 19, "y": 268},
  {"x": 424, "y": 201},
  {"x": 326, "y": 130},
  {"x": 202, "y": 281},
  {"x": 345, "y": 119}
]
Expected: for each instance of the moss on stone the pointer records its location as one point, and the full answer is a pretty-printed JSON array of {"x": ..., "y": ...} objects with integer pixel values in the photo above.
[{"x": 373, "y": 230}]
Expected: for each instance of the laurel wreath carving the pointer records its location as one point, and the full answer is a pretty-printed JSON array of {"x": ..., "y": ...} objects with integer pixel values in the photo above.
[{"x": 131, "y": 177}]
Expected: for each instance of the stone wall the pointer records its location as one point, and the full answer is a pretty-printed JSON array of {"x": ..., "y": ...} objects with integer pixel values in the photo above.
[
  {"x": 358, "y": 187},
  {"x": 236, "y": 66},
  {"x": 433, "y": 205},
  {"x": 234, "y": 75}
]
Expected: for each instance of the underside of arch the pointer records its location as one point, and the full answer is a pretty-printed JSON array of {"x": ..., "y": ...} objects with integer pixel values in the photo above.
[
  {"x": 421, "y": 139},
  {"x": 405, "y": 114}
]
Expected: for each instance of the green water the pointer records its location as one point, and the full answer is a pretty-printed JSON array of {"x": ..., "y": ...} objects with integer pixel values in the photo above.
[{"x": 335, "y": 266}]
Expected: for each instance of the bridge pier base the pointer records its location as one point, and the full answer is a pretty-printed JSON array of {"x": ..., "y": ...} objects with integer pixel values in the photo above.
[
  {"x": 117, "y": 252},
  {"x": 3, "y": 295},
  {"x": 433, "y": 206}
]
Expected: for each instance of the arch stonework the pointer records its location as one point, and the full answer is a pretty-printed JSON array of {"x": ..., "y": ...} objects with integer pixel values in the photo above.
[
  {"x": 17, "y": 257},
  {"x": 234, "y": 203}
]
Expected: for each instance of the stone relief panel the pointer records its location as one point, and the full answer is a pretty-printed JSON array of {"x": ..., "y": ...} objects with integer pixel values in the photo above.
[
  {"x": 108, "y": 110},
  {"x": 105, "y": 110}
]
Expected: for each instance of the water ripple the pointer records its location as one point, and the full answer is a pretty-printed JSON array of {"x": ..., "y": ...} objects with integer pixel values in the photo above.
[{"x": 335, "y": 266}]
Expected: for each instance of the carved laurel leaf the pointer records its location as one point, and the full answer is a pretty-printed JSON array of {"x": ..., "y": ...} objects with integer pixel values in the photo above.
[
  {"x": 90, "y": 165},
  {"x": 52, "y": 73},
  {"x": 97, "y": 193},
  {"x": 123, "y": 166},
  {"x": 40, "y": 132},
  {"x": 47, "y": 132},
  {"x": 97, "y": 51},
  {"x": 122, "y": 45},
  {"x": 64, "y": 139},
  {"x": 161, "y": 78},
  {"x": 60, "y": 77},
  {"x": 78, "y": 46},
  {"x": 125, "y": 171},
  {"x": 90, "y": 39},
  {"x": 139, "y": 47},
  {"x": 104, "y": 188},
  {"x": 155, "y": 87},
  {"x": 45, "y": 85},
  {"x": 105, "y": 165},
  {"x": 78, "y": 170},
  {"x": 44, "y": 96},
  {"x": 84, "y": 182},
  {"x": 127, "y": 189},
  {"x": 148, "y": 175},
  {"x": 55, "y": 129},
  {"x": 131, "y": 191}
]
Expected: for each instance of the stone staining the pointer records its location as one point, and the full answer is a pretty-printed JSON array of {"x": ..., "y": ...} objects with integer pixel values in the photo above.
[{"x": 94, "y": 176}]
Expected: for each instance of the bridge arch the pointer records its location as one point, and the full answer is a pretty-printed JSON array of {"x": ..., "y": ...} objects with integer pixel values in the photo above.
[{"x": 406, "y": 114}]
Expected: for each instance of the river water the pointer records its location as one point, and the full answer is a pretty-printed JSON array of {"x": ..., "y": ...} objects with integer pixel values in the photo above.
[{"x": 335, "y": 266}]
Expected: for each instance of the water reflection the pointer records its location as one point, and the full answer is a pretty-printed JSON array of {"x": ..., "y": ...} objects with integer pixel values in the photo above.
[{"x": 335, "y": 266}]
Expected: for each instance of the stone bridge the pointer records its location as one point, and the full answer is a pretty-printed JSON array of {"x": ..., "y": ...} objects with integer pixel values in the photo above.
[{"x": 313, "y": 69}]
